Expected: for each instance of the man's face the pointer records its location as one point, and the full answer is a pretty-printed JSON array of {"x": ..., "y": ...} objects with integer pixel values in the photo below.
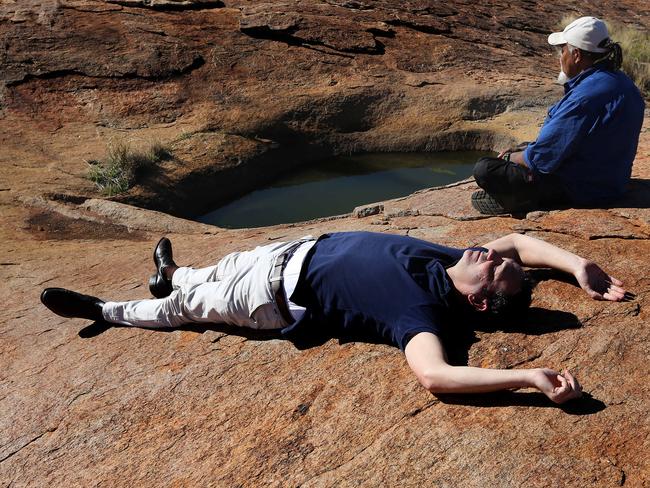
[
  {"x": 568, "y": 60},
  {"x": 485, "y": 273}
]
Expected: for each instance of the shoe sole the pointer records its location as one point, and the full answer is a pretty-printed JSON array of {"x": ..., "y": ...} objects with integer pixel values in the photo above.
[{"x": 485, "y": 204}]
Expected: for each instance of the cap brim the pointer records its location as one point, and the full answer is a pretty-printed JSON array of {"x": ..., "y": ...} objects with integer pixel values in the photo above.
[{"x": 556, "y": 39}]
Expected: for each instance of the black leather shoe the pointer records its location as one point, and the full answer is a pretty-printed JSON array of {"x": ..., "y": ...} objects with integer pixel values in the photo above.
[
  {"x": 68, "y": 303},
  {"x": 159, "y": 286}
]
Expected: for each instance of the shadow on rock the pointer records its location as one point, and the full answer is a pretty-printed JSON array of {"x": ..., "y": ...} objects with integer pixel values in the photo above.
[
  {"x": 95, "y": 329},
  {"x": 458, "y": 339},
  {"x": 538, "y": 321},
  {"x": 304, "y": 338},
  {"x": 535, "y": 321},
  {"x": 636, "y": 196},
  {"x": 585, "y": 405},
  {"x": 546, "y": 274}
]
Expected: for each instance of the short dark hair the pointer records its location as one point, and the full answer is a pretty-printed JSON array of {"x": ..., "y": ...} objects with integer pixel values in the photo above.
[{"x": 510, "y": 306}]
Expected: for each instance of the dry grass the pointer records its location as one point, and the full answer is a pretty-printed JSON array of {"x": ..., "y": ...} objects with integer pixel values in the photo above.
[
  {"x": 636, "y": 54},
  {"x": 636, "y": 51},
  {"x": 119, "y": 170}
]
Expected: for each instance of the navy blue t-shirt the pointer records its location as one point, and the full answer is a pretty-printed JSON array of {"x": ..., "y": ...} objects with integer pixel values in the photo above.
[{"x": 392, "y": 285}]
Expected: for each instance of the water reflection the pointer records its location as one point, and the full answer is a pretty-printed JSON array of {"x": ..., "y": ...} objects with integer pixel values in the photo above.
[{"x": 337, "y": 185}]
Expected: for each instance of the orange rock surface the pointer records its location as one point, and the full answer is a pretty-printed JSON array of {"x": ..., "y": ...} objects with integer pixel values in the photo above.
[{"x": 240, "y": 91}]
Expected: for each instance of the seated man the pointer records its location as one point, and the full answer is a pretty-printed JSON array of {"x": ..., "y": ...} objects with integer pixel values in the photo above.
[
  {"x": 584, "y": 152},
  {"x": 404, "y": 289}
]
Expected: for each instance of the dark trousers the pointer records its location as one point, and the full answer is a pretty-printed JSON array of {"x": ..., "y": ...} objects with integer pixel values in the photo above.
[{"x": 516, "y": 188}]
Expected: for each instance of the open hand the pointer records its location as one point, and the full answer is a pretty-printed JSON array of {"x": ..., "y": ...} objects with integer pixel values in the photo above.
[
  {"x": 598, "y": 284},
  {"x": 559, "y": 387}
]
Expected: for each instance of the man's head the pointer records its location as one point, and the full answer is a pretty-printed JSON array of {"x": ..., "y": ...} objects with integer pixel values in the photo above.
[
  {"x": 583, "y": 43},
  {"x": 490, "y": 283}
]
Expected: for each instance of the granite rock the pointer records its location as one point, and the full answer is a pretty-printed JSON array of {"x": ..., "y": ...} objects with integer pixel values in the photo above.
[{"x": 240, "y": 91}]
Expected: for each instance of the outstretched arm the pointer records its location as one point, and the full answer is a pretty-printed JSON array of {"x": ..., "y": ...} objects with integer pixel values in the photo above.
[
  {"x": 425, "y": 355},
  {"x": 535, "y": 253}
]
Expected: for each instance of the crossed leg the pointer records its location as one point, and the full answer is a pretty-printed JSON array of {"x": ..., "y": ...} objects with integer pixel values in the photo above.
[{"x": 234, "y": 291}]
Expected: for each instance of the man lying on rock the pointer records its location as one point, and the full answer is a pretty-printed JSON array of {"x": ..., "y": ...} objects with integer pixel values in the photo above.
[
  {"x": 584, "y": 152},
  {"x": 404, "y": 289}
]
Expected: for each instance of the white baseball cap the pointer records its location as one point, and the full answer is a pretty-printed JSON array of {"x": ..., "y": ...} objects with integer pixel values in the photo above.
[{"x": 585, "y": 33}]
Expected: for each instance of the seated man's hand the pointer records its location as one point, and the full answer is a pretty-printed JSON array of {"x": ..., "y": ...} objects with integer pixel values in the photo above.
[
  {"x": 518, "y": 148},
  {"x": 558, "y": 387},
  {"x": 598, "y": 284}
]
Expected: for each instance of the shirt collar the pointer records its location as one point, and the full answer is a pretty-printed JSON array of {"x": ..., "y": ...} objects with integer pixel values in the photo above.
[
  {"x": 575, "y": 81},
  {"x": 439, "y": 282}
]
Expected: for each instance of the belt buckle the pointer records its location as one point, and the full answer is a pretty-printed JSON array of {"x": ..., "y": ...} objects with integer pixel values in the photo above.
[{"x": 278, "y": 268}]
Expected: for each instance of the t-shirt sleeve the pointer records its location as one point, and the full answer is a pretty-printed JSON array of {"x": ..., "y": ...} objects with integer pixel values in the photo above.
[
  {"x": 416, "y": 320},
  {"x": 562, "y": 132}
]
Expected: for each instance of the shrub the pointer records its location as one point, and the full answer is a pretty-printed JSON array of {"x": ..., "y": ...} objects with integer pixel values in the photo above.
[{"x": 122, "y": 165}]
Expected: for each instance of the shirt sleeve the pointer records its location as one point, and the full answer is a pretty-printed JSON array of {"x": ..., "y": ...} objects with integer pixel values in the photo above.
[
  {"x": 567, "y": 124},
  {"x": 416, "y": 320}
]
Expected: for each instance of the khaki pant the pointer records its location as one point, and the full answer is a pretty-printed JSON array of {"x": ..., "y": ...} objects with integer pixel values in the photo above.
[{"x": 236, "y": 291}]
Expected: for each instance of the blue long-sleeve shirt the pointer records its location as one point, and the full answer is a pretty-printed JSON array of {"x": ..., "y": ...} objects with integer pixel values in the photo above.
[{"x": 590, "y": 137}]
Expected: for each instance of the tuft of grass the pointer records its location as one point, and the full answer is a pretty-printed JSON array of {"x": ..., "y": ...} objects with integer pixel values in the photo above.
[
  {"x": 636, "y": 51},
  {"x": 636, "y": 54},
  {"x": 157, "y": 152},
  {"x": 119, "y": 170},
  {"x": 186, "y": 134}
]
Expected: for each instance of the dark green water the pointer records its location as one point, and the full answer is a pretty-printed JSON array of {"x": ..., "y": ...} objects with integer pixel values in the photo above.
[{"x": 337, "y": 185}]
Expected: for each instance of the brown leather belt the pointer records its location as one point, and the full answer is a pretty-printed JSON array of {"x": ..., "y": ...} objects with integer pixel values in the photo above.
[{"x": 277, "y": 280}]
